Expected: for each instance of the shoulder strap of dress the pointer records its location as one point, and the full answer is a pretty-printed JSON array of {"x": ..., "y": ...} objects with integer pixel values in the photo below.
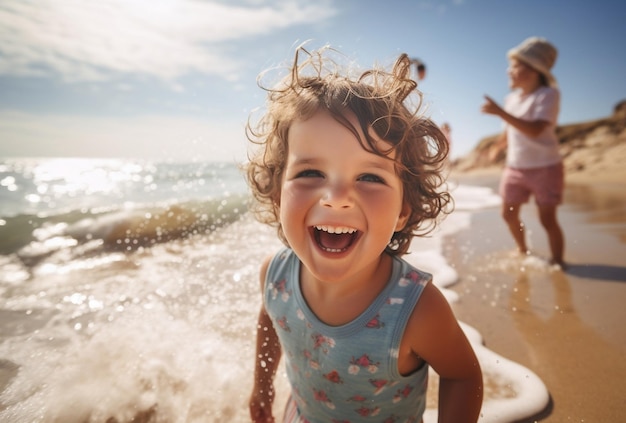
[{"x": 277, "y": 262}]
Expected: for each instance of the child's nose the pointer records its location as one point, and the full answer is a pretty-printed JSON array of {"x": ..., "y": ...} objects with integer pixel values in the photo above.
[{"x": 337, "y": 195}]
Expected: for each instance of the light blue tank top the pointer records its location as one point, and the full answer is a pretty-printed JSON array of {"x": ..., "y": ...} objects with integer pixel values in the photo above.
[{"x": 348, "y": 373}]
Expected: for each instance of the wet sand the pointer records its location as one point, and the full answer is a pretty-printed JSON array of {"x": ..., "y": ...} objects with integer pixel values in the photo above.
[{"x": 565, "y": 326}]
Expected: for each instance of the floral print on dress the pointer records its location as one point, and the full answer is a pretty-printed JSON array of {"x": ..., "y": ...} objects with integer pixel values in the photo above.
[
  {"x": 280, "y": 287},
  {"x": 402, "y": 393},
  {"x": 375, "y": 323},
  {"x": 411, "y": 277},
  {"x": 356, "y": 364},
  {"x": 323, "y": 398},
  {"x": 379, "y": 385},
  {"x": 334, "y": 377},
  {"x": 368, "y": 412},
  {"x": 323, "y": 342},
  {"x": 282, "y": 323},
  {"x": 357, "y": 398},
  {"x": 312, "y": 363}
]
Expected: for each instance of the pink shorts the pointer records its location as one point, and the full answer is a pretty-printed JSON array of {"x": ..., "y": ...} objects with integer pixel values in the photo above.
[{"x": 545, "y": 183}]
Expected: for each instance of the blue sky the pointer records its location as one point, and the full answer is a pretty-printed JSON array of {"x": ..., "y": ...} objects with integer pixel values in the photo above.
[{"x": 177, "y": 78}]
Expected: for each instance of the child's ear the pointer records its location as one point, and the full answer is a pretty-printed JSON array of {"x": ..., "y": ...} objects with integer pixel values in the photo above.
[{"x": 403, "y": 218}]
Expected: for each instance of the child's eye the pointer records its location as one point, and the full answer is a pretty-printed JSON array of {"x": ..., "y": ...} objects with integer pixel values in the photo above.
[
  {"x": 309, "y": 173},
  {"x": 368, "y": 177}
]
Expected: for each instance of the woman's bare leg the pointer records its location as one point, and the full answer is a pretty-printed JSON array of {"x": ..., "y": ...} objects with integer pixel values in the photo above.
[
  {"x": 547, "y": 215},
  {"x": 510, "y": 214}
]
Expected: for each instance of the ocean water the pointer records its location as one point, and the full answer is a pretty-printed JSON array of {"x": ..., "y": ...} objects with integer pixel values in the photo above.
[{"x": 129, "y": 292}]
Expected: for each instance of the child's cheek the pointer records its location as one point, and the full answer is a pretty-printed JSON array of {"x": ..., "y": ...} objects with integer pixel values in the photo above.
[{"x": 292, "y": 198}]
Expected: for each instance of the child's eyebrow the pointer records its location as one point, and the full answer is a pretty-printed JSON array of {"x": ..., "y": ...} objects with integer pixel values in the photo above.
[
  {"x": 383, "y": 167},
  {"x": 384, "y": 163},
  {"x": 381, "y": 163},
  {"x": 305, "y": 161}
]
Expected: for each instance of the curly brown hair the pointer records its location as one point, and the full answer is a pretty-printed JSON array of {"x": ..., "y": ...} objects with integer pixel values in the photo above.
[{"x": 387, "y": 102}]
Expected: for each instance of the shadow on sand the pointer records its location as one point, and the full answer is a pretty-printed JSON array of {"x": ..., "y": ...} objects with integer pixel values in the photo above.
[{"x": 597, "y": 271}]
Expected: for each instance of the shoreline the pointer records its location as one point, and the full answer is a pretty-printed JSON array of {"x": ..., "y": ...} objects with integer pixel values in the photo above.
[{"x": 565, "y": 326}]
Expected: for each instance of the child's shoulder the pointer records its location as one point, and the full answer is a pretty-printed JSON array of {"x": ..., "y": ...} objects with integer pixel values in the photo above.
[
  {"x": 271, "y": 260},
  {"x": 545, "y": 93},
  {"x": 278, "y": 260},
  {"x": 431, "y": 317},
  {"x": 432, "y": 301}
]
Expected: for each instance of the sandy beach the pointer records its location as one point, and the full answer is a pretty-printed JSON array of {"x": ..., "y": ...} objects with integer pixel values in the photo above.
[{"x": 566, "y": 326}]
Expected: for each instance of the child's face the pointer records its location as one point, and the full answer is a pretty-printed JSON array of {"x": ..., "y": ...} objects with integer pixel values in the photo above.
[
  {"x": 521, "y": 75},
  {"x": 339, "y": 204}
]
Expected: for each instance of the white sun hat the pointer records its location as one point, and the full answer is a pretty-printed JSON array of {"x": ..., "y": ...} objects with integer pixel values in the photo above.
[{"x": 539, "y": 54}]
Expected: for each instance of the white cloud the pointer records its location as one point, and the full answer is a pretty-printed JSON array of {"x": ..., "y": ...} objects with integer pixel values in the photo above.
[{"x": 88, "y": 39}]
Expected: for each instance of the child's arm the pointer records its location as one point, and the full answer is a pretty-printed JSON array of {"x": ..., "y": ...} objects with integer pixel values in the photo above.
[
  {"x": 531, "y": 128},
  {"x": 267, "y": 356},
  {"x": 437, "y": 338}
]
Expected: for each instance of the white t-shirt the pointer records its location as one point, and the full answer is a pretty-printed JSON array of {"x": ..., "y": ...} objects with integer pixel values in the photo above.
[{"x": 526, "y": 152}]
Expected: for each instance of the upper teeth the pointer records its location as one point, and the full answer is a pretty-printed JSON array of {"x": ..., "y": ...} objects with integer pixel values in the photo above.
[{"x": 336, "y": 229}]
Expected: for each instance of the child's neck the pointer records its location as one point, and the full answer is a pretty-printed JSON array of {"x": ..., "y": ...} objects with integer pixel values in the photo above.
[
  {"x": 531, "y": 87},
  {"x": 339, "y": 303}
]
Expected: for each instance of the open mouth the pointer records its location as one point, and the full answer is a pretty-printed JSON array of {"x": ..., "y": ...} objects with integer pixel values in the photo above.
[{"x": 334, "y": 239}]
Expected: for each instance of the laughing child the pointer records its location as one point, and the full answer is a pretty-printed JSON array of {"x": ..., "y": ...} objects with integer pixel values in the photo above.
[{"x": 349, "y": 171}]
